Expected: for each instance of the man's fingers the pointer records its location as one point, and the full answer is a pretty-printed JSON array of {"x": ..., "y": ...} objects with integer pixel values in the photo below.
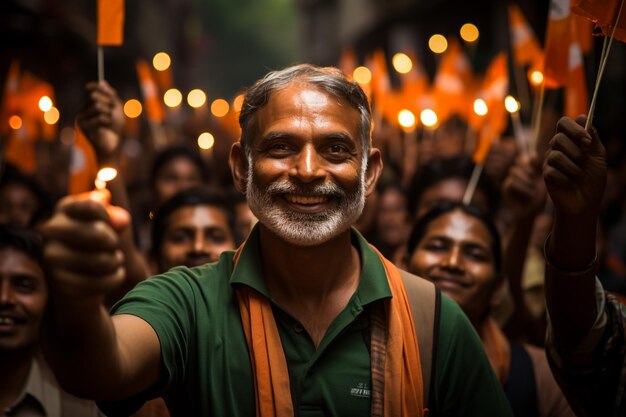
[
  {"x": 574, "y": 131},
  {"x": 72, "y": 283},
  {"x": 558, "y": 165},
  {"x": 80, "y": 235},
  {"x": 570, "y": 149},
  {"x": 83, "y": 262}
]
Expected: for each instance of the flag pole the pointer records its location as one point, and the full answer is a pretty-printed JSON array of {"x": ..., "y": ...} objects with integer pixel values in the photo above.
[
  {"x": 100, "y": 64},
  {"x": 472, "y": 184},
  {"x": 603, "y": 60},
  {"x": 536, "y": 125}
]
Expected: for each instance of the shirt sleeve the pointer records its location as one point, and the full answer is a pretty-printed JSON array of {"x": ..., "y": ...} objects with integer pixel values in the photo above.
[
  {"x": 465, "y": 384},
  {"x": 165, "y": 302}
]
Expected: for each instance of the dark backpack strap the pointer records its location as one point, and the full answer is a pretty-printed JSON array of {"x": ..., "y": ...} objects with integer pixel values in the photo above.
[
  {"x": 520, "y": 387},
  {"x": 425, "y": 303}
]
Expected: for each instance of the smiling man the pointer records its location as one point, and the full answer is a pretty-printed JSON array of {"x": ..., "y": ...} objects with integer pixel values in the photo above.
[
  {"x": 27, "y": 387},
  {"x": 306, "y": 318}
]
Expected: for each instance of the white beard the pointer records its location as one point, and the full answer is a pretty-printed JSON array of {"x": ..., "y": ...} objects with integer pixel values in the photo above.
[{"x": 305, "y": 229}]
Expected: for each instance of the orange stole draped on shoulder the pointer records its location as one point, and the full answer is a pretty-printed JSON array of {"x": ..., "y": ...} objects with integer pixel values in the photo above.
[{"x": 402, "y": 394}]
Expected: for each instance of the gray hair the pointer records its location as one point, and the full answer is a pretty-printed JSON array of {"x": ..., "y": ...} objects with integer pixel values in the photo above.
[{"x": 328, "y": 79}]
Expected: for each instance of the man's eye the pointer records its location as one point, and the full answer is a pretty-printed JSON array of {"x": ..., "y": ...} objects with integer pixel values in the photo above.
[{"x": 338, "y": 149}]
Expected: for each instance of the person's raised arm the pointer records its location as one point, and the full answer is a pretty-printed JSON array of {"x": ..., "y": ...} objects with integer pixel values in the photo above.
[
  {"x": 575, "y": 176},
  {"x": 92, "y": 354},
  {"x": 524, "y": 193},
  {"x": 102, "y": 121}
]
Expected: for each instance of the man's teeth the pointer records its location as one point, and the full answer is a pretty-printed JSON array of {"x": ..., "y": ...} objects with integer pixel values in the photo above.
[
  {"x": 306, "y": 200},
  {"x": 7, "y": 320}
]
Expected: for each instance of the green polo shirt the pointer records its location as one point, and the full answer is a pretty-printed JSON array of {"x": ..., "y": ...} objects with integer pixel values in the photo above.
[{"x": 207, "y": 371}]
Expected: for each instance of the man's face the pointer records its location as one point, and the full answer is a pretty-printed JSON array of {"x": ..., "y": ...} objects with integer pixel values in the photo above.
[
  {"x": 195, "y": 235},
  {"x": 449, "y": 189},
  {"x": 306, "y": 176},
  {"x": 176, "y": 175},
  {"x": 392, "y": 220},
  {"x": 456, "y": 254},
  {"x": 23, "y": 296},
  {"x": 17, "y": 204}
]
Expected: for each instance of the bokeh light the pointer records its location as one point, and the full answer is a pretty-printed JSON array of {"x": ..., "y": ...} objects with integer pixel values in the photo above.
[
  {"x": 362, "y": 75},
  {"x": 469, "y": 32},
  {"x": 206, "y": 141},
  {"x": 196, "y": 98},
  {"x": 173, "y": 97},
  {"x": 480, "y": 107},
  {"x": 15, "y": 122},
  {"x": 107, "y": 174},
  {"x": 238, "y": 103},
  {"x": 428, "y": 117},
  {"x": 511, "y": 104},
  {"x": 45, "y": 103},
  {"x": 132, "y": 108},
  {"x": 51, "y": 116},
  {"x": 438, "y": 43},
  {"x": 161, "y": 61},
  {"x": 219, "y": 107},
  {"x": 536, "y": 77},
  {"x": 402, "y": 63},
  {"x": 406, "y": 118}
]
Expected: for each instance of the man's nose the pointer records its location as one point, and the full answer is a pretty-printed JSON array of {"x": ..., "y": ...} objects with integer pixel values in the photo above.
[
  {"x": 6, "y": 292},
  {"x": 307, "y": 167},
  {"x": 453, "y": 259}
]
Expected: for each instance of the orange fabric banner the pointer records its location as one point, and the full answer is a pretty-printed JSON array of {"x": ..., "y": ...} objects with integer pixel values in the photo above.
[
  {"x": 414, "y": 84},
  {"x": 603, "y": 14},
  {"x": 150, "y": 91},
  {"x": 524, "y": 43},
  {"x": 20, "y": 151},
  {"x": 83, "y": 165},
  {"x": 110, "y": 22},
  {"x": 558, "y": 36},
  {"x": 347, "y": 62},
  {"x": 576, "y": 97},
  {"x": 453, "y": 86}
]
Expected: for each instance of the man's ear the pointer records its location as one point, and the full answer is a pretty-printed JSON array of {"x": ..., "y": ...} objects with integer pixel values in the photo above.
[
  {"x": 374, "y": 169},
  {"x": 238, "y": 164}
]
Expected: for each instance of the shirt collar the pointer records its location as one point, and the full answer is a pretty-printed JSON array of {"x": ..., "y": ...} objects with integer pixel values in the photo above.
[
  {"x": 42, "y": 389},
  {"x": 373, "y": 284}
]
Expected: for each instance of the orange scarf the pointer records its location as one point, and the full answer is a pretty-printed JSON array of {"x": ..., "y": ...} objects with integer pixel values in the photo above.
[
  {"x": 398, "y": 393},
  {"x": 497, "y": 348}
]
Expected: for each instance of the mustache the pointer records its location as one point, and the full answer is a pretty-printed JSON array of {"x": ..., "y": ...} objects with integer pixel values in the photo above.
[{"x": 314, "y": 190}]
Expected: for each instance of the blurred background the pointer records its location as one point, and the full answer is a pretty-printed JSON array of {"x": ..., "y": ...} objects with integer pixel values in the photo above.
[{"x": 202, "y": 54}]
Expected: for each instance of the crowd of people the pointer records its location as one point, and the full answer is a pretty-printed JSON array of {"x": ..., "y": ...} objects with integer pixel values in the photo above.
[{"x": 286, "y": 294}]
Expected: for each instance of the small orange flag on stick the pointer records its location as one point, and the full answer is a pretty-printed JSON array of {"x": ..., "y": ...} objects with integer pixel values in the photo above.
[
  {"x": 604, "y": 14},
  {"x": 110, "y": 22},
  {"x": 607, "y": 14},
  {"x": 526, "y": 49},
  {"x": 150, "y": 92},
  {"x": 83, "y": 165},
  {"x": 558, "y": 37}
]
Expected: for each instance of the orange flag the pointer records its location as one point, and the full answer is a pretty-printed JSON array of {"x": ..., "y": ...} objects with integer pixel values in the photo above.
[
  {"x": 582, "y": 30},
  {"x": 110, "y": 22},
  {"x": 558, "y": 35},
  {"x": 413, "y": 85},
  {"x": 603, "y": 14},
  {"x": 453, "y": 83},
  {"x": 150, "y": 91},
  {"x": 494, "y": 89},
  {"x": 576, "y": 98},
  {"x": 83, "y": 165},
  {"x": 526, "y": 49},
  {"x": 380, "y": 84},
  {"x": 20, "y": 151},
  {"x": 347, "y": 62}
]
